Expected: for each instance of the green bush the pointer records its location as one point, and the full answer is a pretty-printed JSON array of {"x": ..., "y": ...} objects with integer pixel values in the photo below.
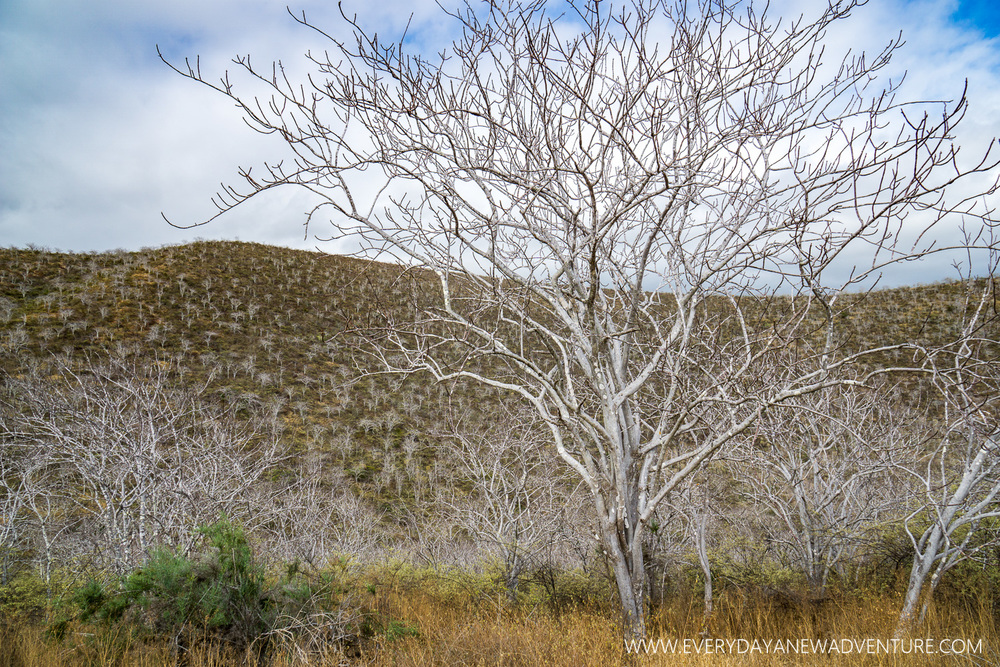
[{"x": 217, "y": 594}]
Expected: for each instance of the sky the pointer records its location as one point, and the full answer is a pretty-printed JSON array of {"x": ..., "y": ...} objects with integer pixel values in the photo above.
[{"x": 98, "y": 137}]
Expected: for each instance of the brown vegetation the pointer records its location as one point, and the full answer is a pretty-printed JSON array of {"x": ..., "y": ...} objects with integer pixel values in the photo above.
[
  {"x": 422, "y": 619},
  {"x": 371, "y": 466}
]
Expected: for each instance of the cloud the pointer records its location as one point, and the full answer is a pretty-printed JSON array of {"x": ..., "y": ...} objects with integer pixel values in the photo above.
[{"x": 99, "y": 137}]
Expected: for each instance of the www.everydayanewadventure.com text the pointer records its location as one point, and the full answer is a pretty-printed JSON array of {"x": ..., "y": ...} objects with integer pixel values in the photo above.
[{"x": 844, "y": 646}]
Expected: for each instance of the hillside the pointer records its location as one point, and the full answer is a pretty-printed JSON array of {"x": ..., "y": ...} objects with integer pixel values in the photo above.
[
  {"x": 273, "y": 324},
  {"x": 281, "y": 328},
  {"x": 262, "y": 326},
  {"x": 272, "y": 339}
]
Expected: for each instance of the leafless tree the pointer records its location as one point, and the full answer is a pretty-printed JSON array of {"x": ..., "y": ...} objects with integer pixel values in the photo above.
[
  {"x": 517, "y": 506},
  {"x": 958, "y": 473},
  {"x": 148, "y": 460},
  {"x": 825, "y": 466},
  {"x": 222, "y": 467},
  {"x": 317, "y": 519},
  {"x": 611, "y": 201},
  {"x": 698, "y": 501},
  {"x": 48, "y": 498},
  {"x": 105, "y": 433},
  {"x": 12, "y": 503}
]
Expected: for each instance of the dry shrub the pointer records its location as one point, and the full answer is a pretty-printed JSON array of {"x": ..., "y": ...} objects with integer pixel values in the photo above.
[{"x": 416, "y": 619}]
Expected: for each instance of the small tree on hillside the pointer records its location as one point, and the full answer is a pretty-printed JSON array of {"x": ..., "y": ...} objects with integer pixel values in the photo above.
[
  {"x": 826, "y": 467},
  {"x": 956, "y": 474},
  {"x": 612, "y": 201}
]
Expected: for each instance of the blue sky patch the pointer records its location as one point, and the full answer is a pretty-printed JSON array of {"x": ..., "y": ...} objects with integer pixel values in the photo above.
[{"x": 983, "y": 15}]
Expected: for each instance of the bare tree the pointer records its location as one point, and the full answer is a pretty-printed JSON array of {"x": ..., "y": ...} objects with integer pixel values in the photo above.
[
  {"x": 826, "y": 467},
  {"x": 315, "y": 520},
  {"x": 698, "y": 502},
  {"x": 12, "y": 503},
  {"x": 958, "y": 473},
  {"x": 108, "y": 428},
  {"x": 610, "y": 201},
  {"x": 146, "y": 459},
  {"x": 221, "y": 466},
  {"x": 49, "y": 498},
  {"x": 517, "y": 505}
]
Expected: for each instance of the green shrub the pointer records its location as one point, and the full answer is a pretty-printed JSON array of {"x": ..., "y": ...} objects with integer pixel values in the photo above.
[{"x": 217, "y": 594}]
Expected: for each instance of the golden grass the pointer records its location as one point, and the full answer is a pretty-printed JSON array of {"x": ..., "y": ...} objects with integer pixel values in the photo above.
[
  {"x": 457, "y": 629},
  {"x": 465, "y": 635}
]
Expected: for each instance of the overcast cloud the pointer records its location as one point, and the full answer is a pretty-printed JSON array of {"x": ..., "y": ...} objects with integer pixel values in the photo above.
[{"x": 98, "y": 137}]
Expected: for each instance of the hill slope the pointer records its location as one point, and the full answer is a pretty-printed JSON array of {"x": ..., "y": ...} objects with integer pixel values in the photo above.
[
  {"x": 279, "y": 327},
  {"x": 257, "y": 330}
]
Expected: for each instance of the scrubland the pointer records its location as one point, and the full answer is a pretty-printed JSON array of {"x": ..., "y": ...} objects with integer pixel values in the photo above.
[{"x": 254, "y": 365}]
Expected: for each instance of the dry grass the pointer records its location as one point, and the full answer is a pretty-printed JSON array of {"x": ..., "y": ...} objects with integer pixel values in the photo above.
[
  {"x": 279, "y": 321},
  {"x": 462, "y": 629},
  {"x": 466, "y": 632},
  {"x": 452, "y": 635}
]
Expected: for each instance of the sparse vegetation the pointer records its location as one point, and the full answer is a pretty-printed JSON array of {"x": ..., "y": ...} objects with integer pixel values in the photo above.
[
  {"x": 351, "y": 470},
  {"x": 421, "y": 617}
]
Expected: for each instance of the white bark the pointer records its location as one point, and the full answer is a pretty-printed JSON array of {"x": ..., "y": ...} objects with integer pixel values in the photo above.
[
  {"x": 148, "y": 462},
  {"x": 12, "y": 502},
  {"x": 958, "y": 472},
  {"x": 609, "y": 212},
  {"x": 825, "y": 466}
]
